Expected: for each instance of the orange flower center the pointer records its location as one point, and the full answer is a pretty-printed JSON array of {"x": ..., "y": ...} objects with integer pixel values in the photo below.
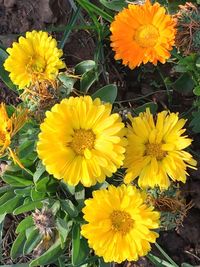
[
  {"x": 121, "y": 221},
  {"x": 2, "y": 138},
  {"x": 147, "y": 36},
  {"x": 155, "y": 150},
  {"x": 82, "y": 139},
  {"x": 36, "y": 64}
]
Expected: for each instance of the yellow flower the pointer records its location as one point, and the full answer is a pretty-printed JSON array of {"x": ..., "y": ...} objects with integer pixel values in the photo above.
[
  {"x": 155, "y": 150},
  {"x": 34, "y": 58},
  {"x": 80, "y": 141},
  {"x": 9, "y": 127},
  {"x": 119, "y": 223},
  {"x": 142, "y": 33},
  {"x": 5, "y": 129}
]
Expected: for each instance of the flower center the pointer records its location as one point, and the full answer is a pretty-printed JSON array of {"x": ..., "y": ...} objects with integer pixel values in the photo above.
[
  {"x": 147, "y": 36},
  {"x": 82, "y": 139},
  {"x": 2, "y": 138},
  {"x": 155, "y": 150},
  {"x": 121, "y": 221},
  {"x": 37, "y": 64}
]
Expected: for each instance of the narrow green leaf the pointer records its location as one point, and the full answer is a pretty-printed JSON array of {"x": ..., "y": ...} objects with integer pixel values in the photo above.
[
  {"x": 158, "y": 262},
  {"x": 69, "y": 208},
  {"x": 75, "y": 243},
  {"x": 107, "y": 93},
  {"x": 116, "y": 5},
  {"x": 69, "y": 28},
  {"x": 17, "y": 247},
  {"x": 4, "y": 75},
  {"x": 187, "y": 265},
  {"x": 24, "y": 224},
  {"x": 80, "y": 249},
  {"x": 84, "y": 66},
  {"x": 2, "y": 217},
  {"x": 11, "y": 204},
  {"x": 15, "y": 180},
  {"x": 7, "y": 196},
  {"x": 28, "y": 207},
  {"x": 32, "y": 241},
  {"x": 26, "y": 148},
  {"x": 50, "y": 256},
  {"x": 64, "y": 227},
  {"x": 39, "y": 171},
  {"x": 23, "y": 191},
  {"x": 4, "y": 189}
]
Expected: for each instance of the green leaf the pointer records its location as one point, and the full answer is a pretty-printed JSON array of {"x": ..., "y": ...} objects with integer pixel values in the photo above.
[
  {"x": 36, "y": 195},
  {"x": 196, "y": 90},
  {"x": 32, "y": 241},
  {"x": 80, "y": 249},
  {"x": 184, "y": 84},
  {"x": 151, "y": 105},
  {"x": 107, "y": 93},
  {"x": 24, "y": 224},
  {"x": 39, "y": 171},
  {"x": 186, "y": 265},
  {"x": 64, "y": 227},
  {"x": 17, "y": 247},
  {"x": 67, "y": 84},
  {"x": 80, "y": 196},
  {"x": 195, "y": 122},
  {"x": 7, "y": 196},
  {"x": 11, "y": 204},
  {"x": 2, "y": 217},
  {"x": 41, "y": 185},
  {"x": 69, "y": 208},
  {"x": 26, "y": 148},
  {"x": 23, "y": 191},
  {"x": 4, "y": 75},
  {"x": 16, "y": 180},
  {"x": 158, "y": 262},
  {"x": 88, "y": 79},
  {"x": 4, "y": 189},
  {"x": 115, "y": 5},
  {"x": 28, "y": 207},
  {"x": 50, "y": 256},
  {"x": 84, "y": 66}
]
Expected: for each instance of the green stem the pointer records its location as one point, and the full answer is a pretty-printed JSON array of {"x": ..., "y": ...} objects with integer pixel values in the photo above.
[
  {"x": 141, "y": 97},
  {"x": 165, "y": 255}
]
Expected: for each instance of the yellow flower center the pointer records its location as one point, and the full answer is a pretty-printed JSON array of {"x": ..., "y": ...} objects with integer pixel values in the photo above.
[
  {"x": 37, "y": 64},
  {"x": 155, "y": 150},
  {"x": 121, "y": 221},
  {"x": 147, "y": 36},
  {"x": 82, "y": 139}
]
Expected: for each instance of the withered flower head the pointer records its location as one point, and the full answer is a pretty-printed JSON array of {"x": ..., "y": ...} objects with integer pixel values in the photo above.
[
  {"x": 188, "y": 28},
  {"x": 44, "y": 222}
]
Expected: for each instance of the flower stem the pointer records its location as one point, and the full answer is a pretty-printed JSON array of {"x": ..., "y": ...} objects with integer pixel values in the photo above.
[{"x": 165, "y": 255}]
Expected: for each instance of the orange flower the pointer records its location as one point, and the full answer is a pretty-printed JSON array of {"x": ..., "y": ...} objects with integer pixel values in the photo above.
[{"x": 142, "y": 33}]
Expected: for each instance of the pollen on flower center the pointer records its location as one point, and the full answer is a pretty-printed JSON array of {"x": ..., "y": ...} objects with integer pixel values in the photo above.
[
  {"x": 121, "y": 221},
  {"x": 36, "y": 65},
  {"x": 147, "y": 36},
  {"x": 2, "y": 138},
  {"x": 82, "y": 139},
  {"x": 155, "y": 150}
]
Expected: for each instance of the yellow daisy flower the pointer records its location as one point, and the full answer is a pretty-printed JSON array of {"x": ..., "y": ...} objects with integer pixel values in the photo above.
[
  {"x": 81, "y": 141},
  {"x": 5, "y": 129},
  {"x": 155, "y": 150},
  {"x": 119, "y": 223},
  {"x": 142, "y": 33},
  {"x": 33, "y": 58}
]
